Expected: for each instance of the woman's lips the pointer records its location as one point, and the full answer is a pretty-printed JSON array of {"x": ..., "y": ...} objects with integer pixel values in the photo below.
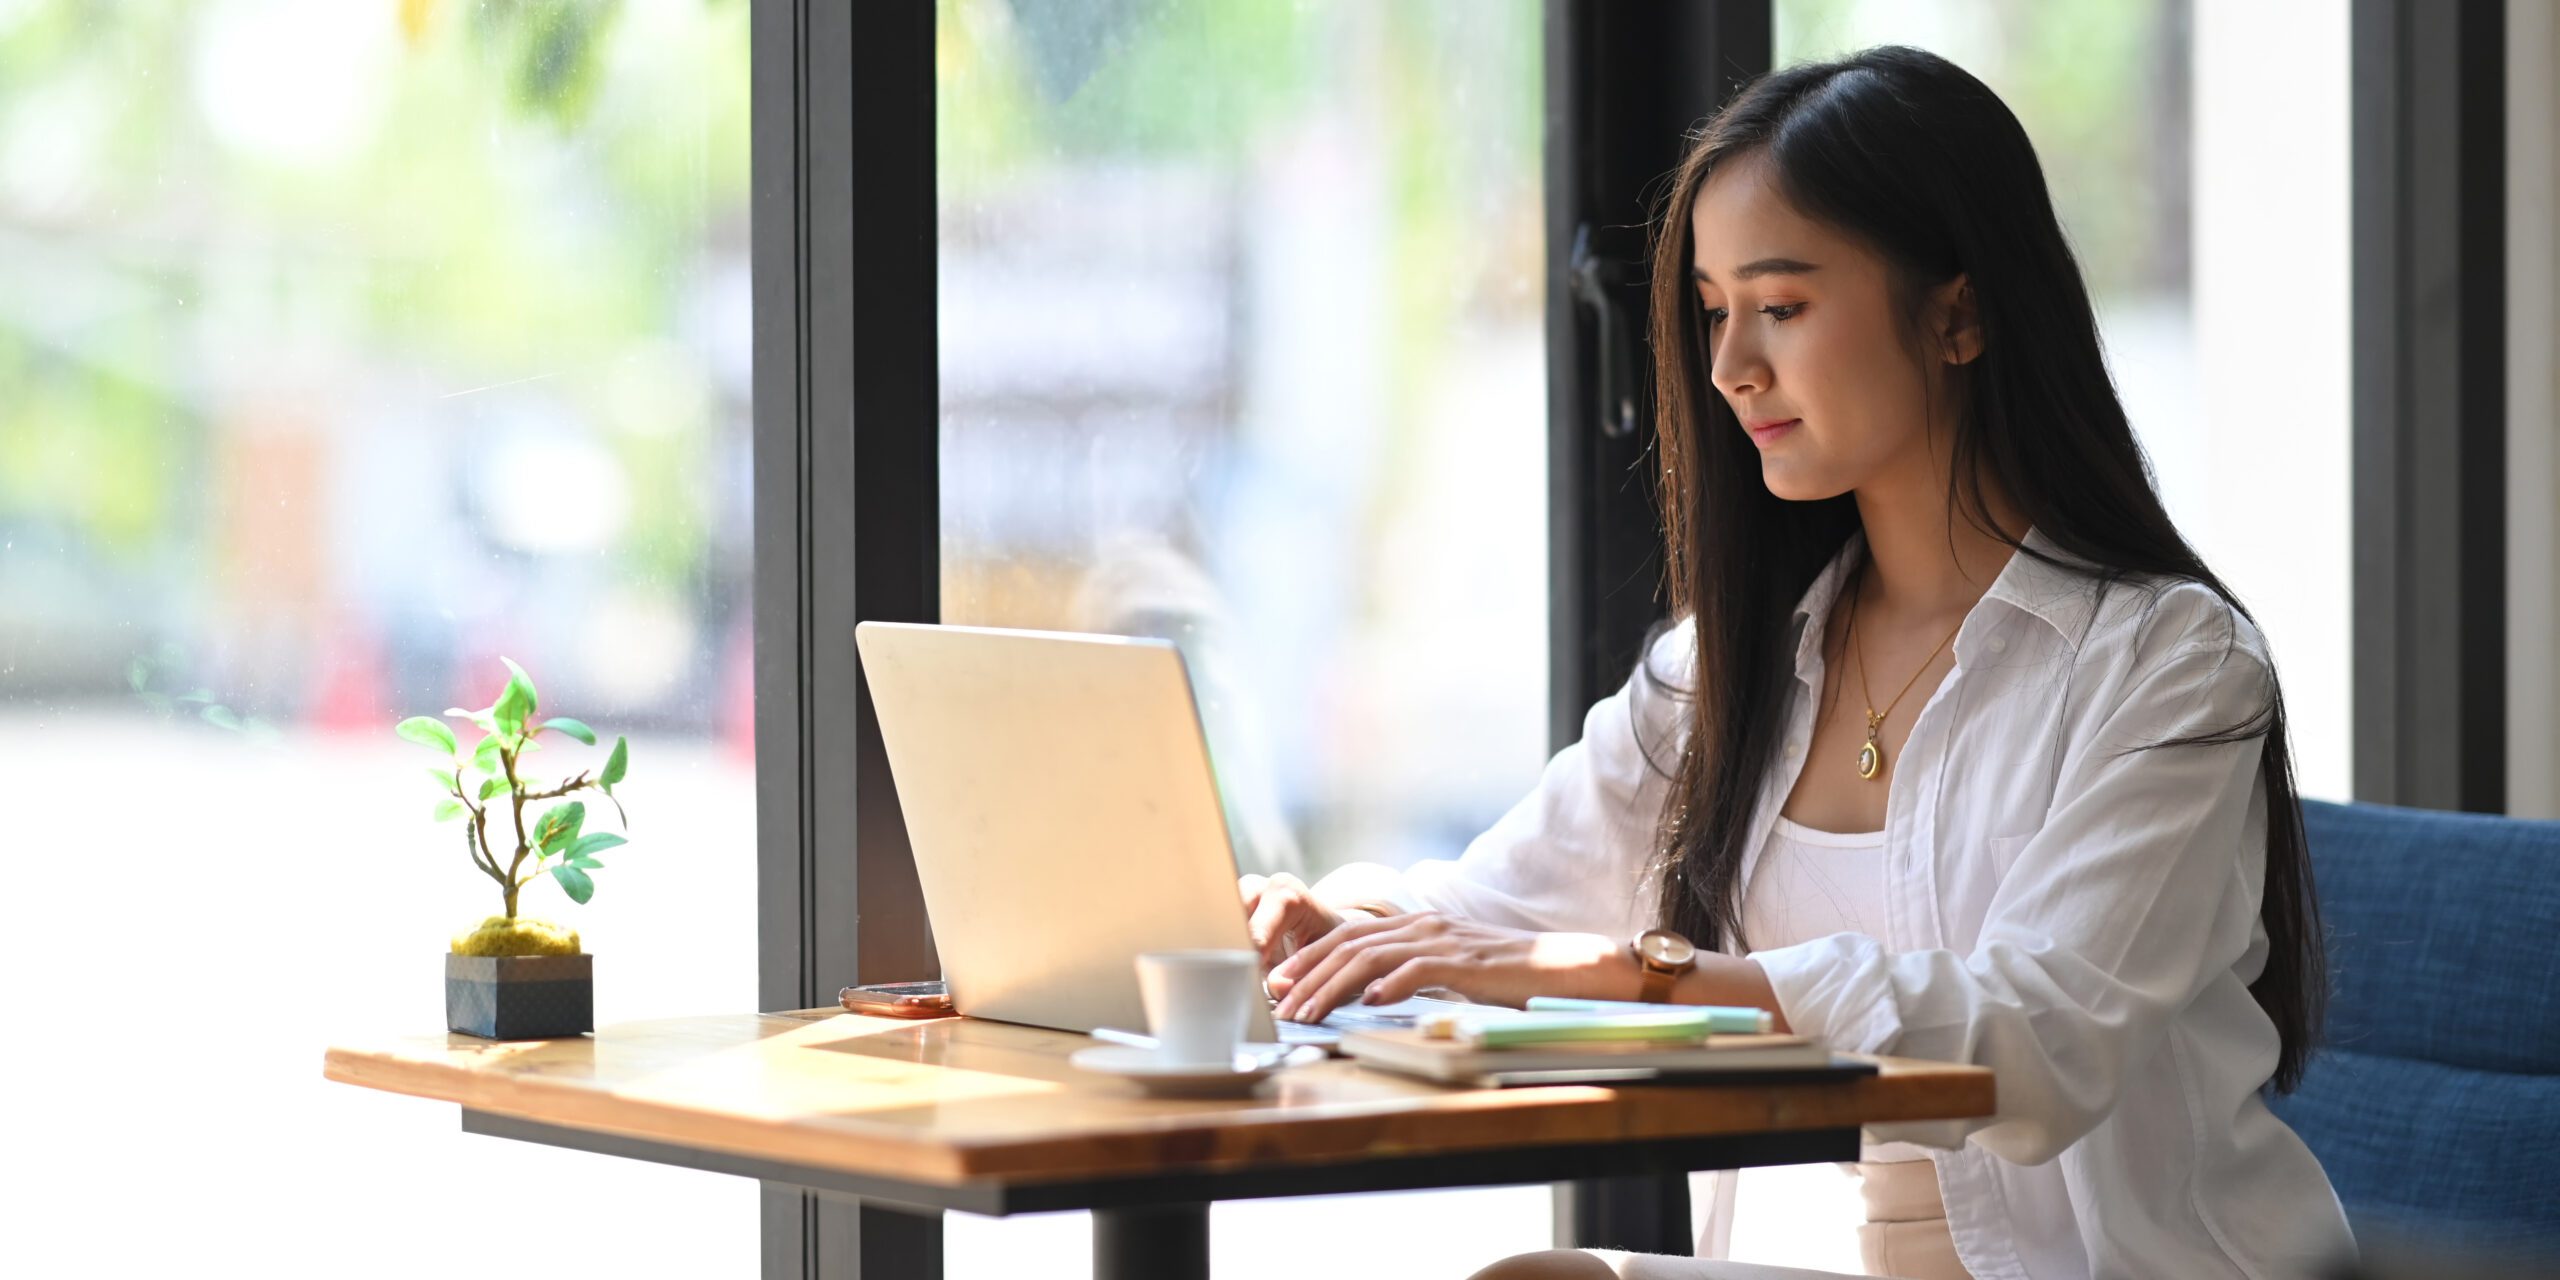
[{"x": 1762, "y": 433}]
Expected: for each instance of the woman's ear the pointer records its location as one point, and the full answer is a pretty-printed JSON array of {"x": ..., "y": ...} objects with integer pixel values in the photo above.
[{"x": 1959, "y": 322}]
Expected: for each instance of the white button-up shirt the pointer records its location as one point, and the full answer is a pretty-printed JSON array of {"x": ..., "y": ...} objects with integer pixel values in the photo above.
[{"x": 2080, "y": 920}]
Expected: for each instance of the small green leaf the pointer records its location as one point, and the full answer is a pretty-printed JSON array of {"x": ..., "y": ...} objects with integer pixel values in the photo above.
[
  {"x": 488, "y": 723},
  {"x": 515, "y": 702},
  {"x": 484, "y": 756},
  {"x": 449, "y": 809},
  {"x": 443, "y": 777},
  {"x": 523, "y": 679},
  {"x": 427, "y": 731},
  {"x": 576, "y": 882},
  {"x": 492, "y": 787},
  {"x": 595, "y": 842},
  {"x": 560, "y": 825},
  {"x": 615, "y": 764},
  {"x": 574, "y": 728},
  {"x": 584, "y": 863}
]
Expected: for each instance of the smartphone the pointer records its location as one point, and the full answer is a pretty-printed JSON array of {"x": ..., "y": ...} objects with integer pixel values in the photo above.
[{"x": 898, "y": 999}]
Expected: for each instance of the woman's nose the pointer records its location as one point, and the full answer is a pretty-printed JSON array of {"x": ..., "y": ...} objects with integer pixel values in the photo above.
[{"x": 1736, "y": 365}]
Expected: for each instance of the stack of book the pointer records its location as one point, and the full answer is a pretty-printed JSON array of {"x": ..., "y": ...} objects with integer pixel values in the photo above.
[{"x": 1558, "y": 1041}]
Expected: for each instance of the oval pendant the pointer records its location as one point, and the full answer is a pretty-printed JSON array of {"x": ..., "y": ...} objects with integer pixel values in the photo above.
[{"x": 1870, "y": 759}]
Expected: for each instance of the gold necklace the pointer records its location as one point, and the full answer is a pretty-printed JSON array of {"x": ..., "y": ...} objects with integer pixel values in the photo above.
[{"x": 1871, "y": 755}]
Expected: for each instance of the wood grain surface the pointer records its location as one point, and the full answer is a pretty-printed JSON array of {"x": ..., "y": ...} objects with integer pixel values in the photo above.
[{"x": 957, "y": 1100}]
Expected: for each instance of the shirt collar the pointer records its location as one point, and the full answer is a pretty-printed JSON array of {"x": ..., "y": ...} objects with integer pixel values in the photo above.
[{"x": 2056, "y": 594}]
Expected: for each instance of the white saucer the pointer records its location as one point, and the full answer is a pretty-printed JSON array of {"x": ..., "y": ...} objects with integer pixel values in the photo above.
[{"x": 1177, "y": 1080}]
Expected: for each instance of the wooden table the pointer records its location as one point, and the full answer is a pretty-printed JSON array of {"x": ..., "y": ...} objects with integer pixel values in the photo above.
[{"x": 988, "y": 1118}]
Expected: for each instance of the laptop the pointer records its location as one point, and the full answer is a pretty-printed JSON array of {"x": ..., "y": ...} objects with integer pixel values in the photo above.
[{"x": 1060, "y": 802}]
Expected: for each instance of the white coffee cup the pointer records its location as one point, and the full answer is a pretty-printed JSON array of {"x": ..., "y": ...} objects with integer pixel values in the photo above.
[{"x": 1197, "y": 1003}]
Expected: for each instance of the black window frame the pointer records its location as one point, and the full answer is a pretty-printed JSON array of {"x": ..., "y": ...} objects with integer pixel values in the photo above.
[
  {"x": 2428, "y": 303},
  {"x": 847, "y": 524}
]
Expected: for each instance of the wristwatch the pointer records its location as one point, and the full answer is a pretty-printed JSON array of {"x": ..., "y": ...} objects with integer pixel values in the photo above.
[{"x": 1664, "y": 956}]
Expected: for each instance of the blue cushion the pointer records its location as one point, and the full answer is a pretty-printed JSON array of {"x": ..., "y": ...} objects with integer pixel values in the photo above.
[
  {"x": 2421, "y": 1151},
  {"x": 2434, "y": 1099},
  {"x": 2444, "y": 934}
]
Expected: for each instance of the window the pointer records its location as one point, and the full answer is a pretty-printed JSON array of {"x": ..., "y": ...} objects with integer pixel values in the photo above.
[
  {"x": 1242, "y": 345},
  {"x": 346, "y": 348}
]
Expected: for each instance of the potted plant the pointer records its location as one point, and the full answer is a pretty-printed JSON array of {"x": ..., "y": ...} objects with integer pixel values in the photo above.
[{"x": 513, "y": 977}]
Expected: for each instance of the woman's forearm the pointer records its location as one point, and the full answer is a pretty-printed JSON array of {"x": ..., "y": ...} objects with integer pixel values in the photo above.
[{"x": 1726, "y": 980}]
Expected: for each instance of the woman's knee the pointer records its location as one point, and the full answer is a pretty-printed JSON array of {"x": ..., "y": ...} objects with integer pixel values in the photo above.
[{"x": 1550, "y": 1264}]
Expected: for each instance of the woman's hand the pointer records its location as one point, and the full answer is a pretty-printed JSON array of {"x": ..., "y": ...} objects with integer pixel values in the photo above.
[
  {"x": 1383, "y": 961},
  {"x": 1283, "y": 915}
]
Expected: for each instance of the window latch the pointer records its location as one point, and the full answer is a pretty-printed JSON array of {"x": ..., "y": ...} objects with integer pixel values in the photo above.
[{"x": 1599, "y": 284}]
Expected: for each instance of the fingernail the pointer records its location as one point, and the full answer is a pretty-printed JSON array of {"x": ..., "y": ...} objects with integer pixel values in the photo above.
[{"x": 1369, "y": 994}]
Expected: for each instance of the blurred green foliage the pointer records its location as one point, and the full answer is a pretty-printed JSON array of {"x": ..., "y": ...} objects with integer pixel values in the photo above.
[
  {"x": 2100, "y": 86},
  {"x": 1451, "y": 91},
  {"x": 1024, "y": 82},
  {"x": 524, "y": 190}
]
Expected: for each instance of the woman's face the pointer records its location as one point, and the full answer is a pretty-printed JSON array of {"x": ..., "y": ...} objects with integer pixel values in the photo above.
[{"x": 1806, "y": 342}]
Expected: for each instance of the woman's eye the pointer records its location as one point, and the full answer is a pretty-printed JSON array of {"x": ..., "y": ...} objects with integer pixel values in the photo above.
[
  {"x": 1782, "y": 310},
  {"x": 1715, "y": 316}
]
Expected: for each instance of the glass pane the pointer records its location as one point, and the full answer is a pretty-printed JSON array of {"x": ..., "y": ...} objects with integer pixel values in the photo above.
[
  {"x": 2197, "y": 154},
  {"x": 347, "y": 347},
  {"x": 1242, "y": 345}
]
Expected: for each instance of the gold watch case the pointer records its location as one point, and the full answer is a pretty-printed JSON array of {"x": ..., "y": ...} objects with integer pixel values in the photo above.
[{"x": 1663, "y": 951}]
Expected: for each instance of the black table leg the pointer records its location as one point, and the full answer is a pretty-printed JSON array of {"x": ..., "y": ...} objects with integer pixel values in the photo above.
[
  {"x": 1648, "y": 1213},
  {"x": 1153, "y": 1242}
]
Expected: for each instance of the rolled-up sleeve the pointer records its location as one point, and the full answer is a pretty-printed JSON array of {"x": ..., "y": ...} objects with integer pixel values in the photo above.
[
  {"x": 1571, "y": 854},
  {"x": 2136, "y": 893}
]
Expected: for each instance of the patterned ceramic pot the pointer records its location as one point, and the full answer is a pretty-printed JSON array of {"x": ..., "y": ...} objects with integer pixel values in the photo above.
[{"x": 520, "y": 997}]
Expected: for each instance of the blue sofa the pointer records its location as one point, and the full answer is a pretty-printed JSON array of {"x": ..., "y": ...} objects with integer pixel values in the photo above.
[{"x": 2434, "y": 1098}]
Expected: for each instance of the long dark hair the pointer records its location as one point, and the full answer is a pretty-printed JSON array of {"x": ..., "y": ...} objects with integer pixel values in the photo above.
[{"x": 1905, "y": 151}]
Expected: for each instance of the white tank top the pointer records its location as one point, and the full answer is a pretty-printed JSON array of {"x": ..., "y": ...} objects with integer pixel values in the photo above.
[{"x": 1811, "y": 884}]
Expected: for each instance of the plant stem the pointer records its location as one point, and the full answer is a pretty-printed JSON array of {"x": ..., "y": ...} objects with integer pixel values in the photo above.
[
  {"x": 480, "y": 857},
  {"x": 564, "y": 788},
  {"x": 523, "y": 846},
  {"x": 479, "y": 849}
]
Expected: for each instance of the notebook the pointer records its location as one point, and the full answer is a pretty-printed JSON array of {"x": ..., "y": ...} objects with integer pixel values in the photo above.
[{"x": 1740, "y": 1058}]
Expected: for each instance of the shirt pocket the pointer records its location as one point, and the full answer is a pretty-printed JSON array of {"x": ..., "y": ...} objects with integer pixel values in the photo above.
[{"x": 2004, "y": 853}]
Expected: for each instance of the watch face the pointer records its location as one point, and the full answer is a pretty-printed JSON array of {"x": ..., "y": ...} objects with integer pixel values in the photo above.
[{"x": 1665, "y": 948}]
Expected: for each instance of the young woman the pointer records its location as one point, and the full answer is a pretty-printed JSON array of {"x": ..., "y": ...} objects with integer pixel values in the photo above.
[{"x": 1956, "y": 751}]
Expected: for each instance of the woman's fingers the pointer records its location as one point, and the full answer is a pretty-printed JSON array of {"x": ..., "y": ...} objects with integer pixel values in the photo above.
[
  {"x": 1306, "y": 958},
  {"x": 1407, "y": 980},
  {"x": 1360, "y": 967},
  {"x": 1281, "y": 912},
  {"x": 1308, "y": 972}
]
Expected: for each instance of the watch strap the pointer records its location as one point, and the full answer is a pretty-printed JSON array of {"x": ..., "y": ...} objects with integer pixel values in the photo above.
[{"x": 1658, "y": 981}]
